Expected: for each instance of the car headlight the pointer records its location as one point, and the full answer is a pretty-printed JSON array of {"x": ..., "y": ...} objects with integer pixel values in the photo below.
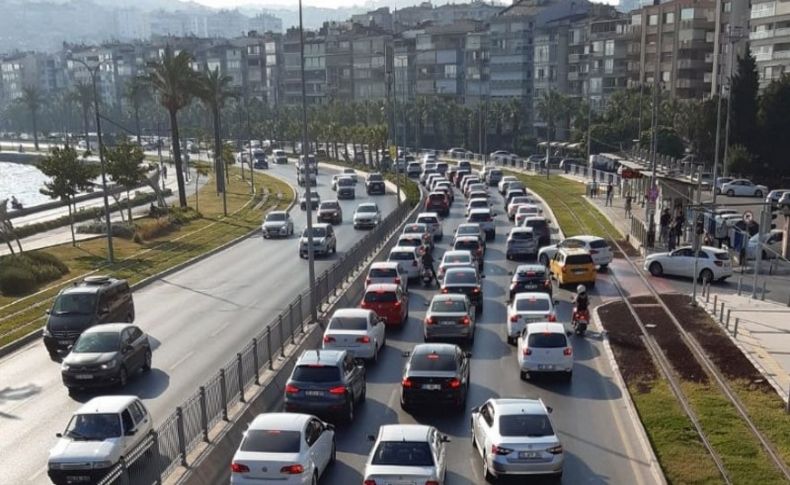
[
  {"x": 46, "y": 332},
  {"x": 64, "y": 366},
  {"x": 109, "y": 365}
]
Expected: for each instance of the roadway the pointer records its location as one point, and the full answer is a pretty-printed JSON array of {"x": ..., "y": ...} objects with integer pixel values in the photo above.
[{"x": 197, "y": 319}]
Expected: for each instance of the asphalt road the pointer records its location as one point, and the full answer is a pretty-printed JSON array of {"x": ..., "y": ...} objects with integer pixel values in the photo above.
[{"x": 197, "y": 319}]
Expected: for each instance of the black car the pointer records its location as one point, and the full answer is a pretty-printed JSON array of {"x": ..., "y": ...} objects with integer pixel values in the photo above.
[
  {"x": 105, "y": 355},
  {"x": 326, "y": 383},
  {"x": 530, "y": 278},
  {"x": 540, "y": 225},
  {"x": 315, "y": 200},
  {"x": 467, "y": 281},
  {"x": 374, "y": 184},
  {"x": 95, "y": 300},
  {"x": 436, "y": 374},
  {"x": 330, "y": 211},
  {"x": 474, "y": 245}
]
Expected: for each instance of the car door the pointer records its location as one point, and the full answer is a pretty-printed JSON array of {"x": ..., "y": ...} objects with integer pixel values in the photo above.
[
  {"x": 322, "y": 444},
  {"x": 144, "y": 424},
  {"x": 376, "y": 329},
  {"x": 129, "y": 439},
  {"x": 679, "y": 262},
  {"x": 352, "y": 376},
  {"x": 440, "y": 455},
  {"x": 140, "y": 344},
  {"x": 484, "y": 424}
]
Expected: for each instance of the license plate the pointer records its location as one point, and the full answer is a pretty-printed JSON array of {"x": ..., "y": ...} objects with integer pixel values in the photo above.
[
  {"x": 83, "y": 377},
  {"x": 545, "y": 366},
  {"x": 527, "y": 455},
  {"x": 579, "y": 271},
  {"x": 78, "y": 479},
  {"x": 64, "y": 342},
  {"x": 314, "y": 393},
  {"x": 448, "y": 322},
  {"x": 431, "y": 387}
]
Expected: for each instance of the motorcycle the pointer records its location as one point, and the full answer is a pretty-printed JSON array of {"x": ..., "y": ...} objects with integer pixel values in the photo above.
[
  {"x": 427, "y": 277},
  {"x": 580, "y": 320}
]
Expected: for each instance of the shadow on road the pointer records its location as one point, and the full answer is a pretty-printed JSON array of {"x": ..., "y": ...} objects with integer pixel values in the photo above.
[{"x": 8, "y": 394}]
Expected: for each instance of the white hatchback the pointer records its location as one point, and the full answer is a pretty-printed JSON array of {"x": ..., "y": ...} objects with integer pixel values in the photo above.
[
  {"x": 358, "y": 331},
  {"x": 597, "y": 247},
  {"x": 433, "y": 222},
  {"x": 527, "y": 308},
  {"x": 544, "y": 348},
  {"x": 713, "y": 264},
  {"x": 407, "y": 454},
  {"x": 409, "y": 260}
]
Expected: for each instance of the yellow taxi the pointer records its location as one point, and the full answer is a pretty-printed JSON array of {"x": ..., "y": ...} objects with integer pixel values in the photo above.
[{"x": 573, "y": 265}]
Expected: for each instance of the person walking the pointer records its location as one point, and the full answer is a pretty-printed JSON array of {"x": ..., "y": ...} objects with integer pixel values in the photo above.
[
  {"x": 628, "y": 200},
  {"x": 664, "y": 225},
  {"x": 609, "y": 194}
]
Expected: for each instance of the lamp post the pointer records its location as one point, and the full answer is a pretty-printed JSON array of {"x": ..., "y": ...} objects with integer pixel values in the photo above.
[
  {"x": 94, "y": 71},
  {"x": 734, "y": 34}
]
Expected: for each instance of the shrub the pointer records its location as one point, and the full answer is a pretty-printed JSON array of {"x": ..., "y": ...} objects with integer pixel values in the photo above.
[
  {"x": 124, "y": 230},
  {"x": 153, "y": 228},
  {"x": 16, "y": 281},
  {"x": 49, "y": 259}
]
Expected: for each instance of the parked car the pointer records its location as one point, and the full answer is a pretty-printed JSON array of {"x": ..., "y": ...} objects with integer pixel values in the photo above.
[
  {"x": 277, "y": 224},
  {"x": 771, "y": 246},
  {"x": 597, "y": 247},
  {"x": 450, "y": 316},
  {"x": 389, "y": 301},
  {"x": 774, "y": 196},
  {"x": 358, "y": 331},
  {"x": 544, "y": 348},
  {"x": 530, "y": 278},
  {"x": 367, "y": 215},
  {"x": 713, "y": 264},
  {"x": 459, "y": 153},
  {"x": 527, "y": 308},
  {"x": 283, "y": 448},
  {"x": 743, "y": 188},
  {"x": 720, "y": 181},
  {"x": 324, "y": 240},
  {"x": 572, "y": 266},
  {"x": 409, "y": 260},
  {"x": 415, "y": 451},
  {"x": 521, "y": 242},
  {"x": 315, "y": 200},
  {"x": 330, "y": 211},
  {"x": 467, "y": 281},
  {"x": 387, "y": 272}
]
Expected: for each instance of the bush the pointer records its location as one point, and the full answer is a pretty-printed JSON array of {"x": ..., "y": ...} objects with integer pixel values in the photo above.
[
  {"x": 181, "y": 216},
  {"x": 46, "y": 258},
  {"x": 123, "y": 230},
  {"x": 15, "y": 281},
  {"x": 153, "y": 228},
  {"x": 38, "y": 266}
]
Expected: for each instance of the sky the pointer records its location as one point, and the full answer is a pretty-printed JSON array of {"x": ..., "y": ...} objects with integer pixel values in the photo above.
[{"x": 279, "y": 3}]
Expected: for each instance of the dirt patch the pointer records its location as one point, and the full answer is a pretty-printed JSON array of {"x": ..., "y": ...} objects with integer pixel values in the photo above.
[
  {"x": 643, "y": 300},
  {"x": 629, "y": 250},
  {"x": 717, "y": 345},
  {"x": 636, "y": 366},
  {"x": 661, "y": 327}
]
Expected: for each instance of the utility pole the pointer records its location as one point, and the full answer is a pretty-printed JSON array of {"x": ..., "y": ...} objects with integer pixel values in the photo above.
[
  {"x": 698, "y": 212},
  {"x": 765, "y": 220},
  {"x": 548, "y": 133},
  {"x": 589, "y": 97},
  {"x": 733, "y": 36}
]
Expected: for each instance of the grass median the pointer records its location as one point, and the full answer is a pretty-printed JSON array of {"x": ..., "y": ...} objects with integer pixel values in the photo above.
[{"x": 136, "y": 261}]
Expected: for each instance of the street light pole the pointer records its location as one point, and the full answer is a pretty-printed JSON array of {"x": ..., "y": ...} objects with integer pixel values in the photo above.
[{"x": 733, "y": 36}]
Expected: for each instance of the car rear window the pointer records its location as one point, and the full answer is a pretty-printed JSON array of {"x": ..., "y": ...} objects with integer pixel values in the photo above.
[
  {"x": 428, "y": 361},
  {"x": 436, "y": 197},
  {"x": 271, "y": 441},
  {"x": 521, "y": 235},
  {"x": 722, "y": 256},
  {"x": 383, "y": 273},
  {"x": 479, "y": 217},
  {"x": 465, "y": 230},
  {"x": 599, "y": 244},
  {"x": 401, "y": 256},
  {"x": 429, "y": 219},
  {"x": 458, "y": 258},
  {"x": 466, "y": 277},
  {"x": 316, "y": 373},
  {"x": 380, "y": 297},
  {"x": 317, "y": 232},
  {"x": 578, "y": 259},
  {"x": 525, "y": 425},
  {"x": 468, "y": 245},
  {"x": 349, "y": 323},
  {"x": 530, "y": 274},
  {"x": 403, "y": 453},
  {"x": 538, "y": 224},
  {"x": 410, "y": 241},
  {"x": 449, "y": 305},
  {"x": 547, "y": 340},
  {"x": 478, "y": 203},
  {"x": 532, "y": 305}
]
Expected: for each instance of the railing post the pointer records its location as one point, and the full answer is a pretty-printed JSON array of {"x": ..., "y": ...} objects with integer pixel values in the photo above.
[
  {"x": 735, "y": 329},
  {"x": 239, "y": 372},
  {"x": 269, "y": 346},
  {"x": 282, "y": 336},
  {"x": 157, "y": 457},
  {"x": 727, "y": 324},
  {"x": 255, "y": 362},
  {"x": 203, "y": 414},
  {"x": 223, "y": 387},
  {"x": 715, "y": 302},
  {"x": 721, "y": 316},
  {"x": 301, "y": 317},
  {"x": 182, "y": 444},
  {"x": 291, "y": 316},
  {"x": 740, "y": 284},
  {"x": 762, "y": 297}
]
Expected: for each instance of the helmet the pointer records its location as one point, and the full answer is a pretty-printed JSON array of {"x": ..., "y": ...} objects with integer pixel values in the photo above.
[{"x": 581, "y": 289}]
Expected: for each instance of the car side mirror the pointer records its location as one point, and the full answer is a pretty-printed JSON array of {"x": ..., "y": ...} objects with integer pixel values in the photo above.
[
  {"x": 329, "y": 426},
  {"x": 371, "y": 438},
  {"x": 549, "y": 409},
  {"x": 468, "y": 355},
  {"x": 58, "y": 435},
  {"x": 445, "y": 439},
  {"x": 406, "y": 353},
  {"x": 47, "y": 312},
  {"x": 475, "y": 409},
  {"x": 131, "y": 432}
]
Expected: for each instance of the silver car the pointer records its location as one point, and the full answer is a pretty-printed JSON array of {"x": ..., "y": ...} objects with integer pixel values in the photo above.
[
  {"x": 456, "y": 259},
  {"x": 367, "y": 215},
  {"x": 516, "y": 437},
  {"x": 450, "y": 316},
  {"x": 407, "y": 453},
  {"x": 277, "y": 224},
  {"x": 521, "y": 241}
]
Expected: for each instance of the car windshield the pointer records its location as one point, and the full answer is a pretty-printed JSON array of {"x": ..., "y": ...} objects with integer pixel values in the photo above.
[
  {"x": 94, "y": 427},
  {"x": 457, "y": 258},
  {"x": 97, "y": 342},
  {"x": 381, "y": 297},
  {"x": 460, "y": 277},
  {"x": 366, "y": 208},
  {"x": 383, "y": 273},
  {"x": 578, "y": 259},
  {"x": 532, "y": 425},
  {"x": 349, "y": 323},
  {"x": 329, "y": 205},
  {"x": 448, "y": 305},
  {"x": 317, "y": 232},
  {"x": 521, "y": 235},
  {"x": 275, "y": 216},
  {"x": 429, "y": 220},
  {"x": 316, "y": 373},
  {"x": 468, "y": 230},
  {"x": 401, "y": 256},
  {"x": 271, "y": 441},
  {"x": 410, "y": 241},
  {"x": 403, "y": 453},
  {"x": 547, "y": 340},
  {"x": 479, "y": 217},
  {"x": 532, "y": 305},
  {"x": 75, "y": 304}
]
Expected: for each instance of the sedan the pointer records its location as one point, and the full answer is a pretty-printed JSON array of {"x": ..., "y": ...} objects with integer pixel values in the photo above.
[
  {"x": 527, "y": 308},
  {"x": 367, "y": 215},
  {"x": 743, "y": 188},
  {"x": 435, "y": 375},
  {"x": 450, "y": 316},
  {"x": 287, "y": 448},
  {"x": 413, "y": 241},
  {"x": 277, "y": 224},
  {"x": 455, "y": 259},
  {"x": 360, "y": 332},
  {"x": 387, "y": 272},
  {"x": 477, "y": 203},
  {"x": 713, "y": 263},
  {"x": 422, "y": 229},
  {"x": 413, "y": 452},
  {"x": 466, "y": 281},
  {"x": 433, "y": 222},
  {"x": 530, "y": 278},
  {"x": 516, "y": 437},
  {"x": 771, "y": 245},
  {"x": 597, "y": 247},
  {"x": 474, "y": 245}
]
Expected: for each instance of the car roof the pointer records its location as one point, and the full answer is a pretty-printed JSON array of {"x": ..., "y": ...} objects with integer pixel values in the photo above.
[
  {"x": 535, "y": 218},
  {"x": 381, "y": 288},
  {"x": 431, "y": 214},
  {"x": 467, "y": 238},
  {"x": 384, "y": 264},
  {"x": 479, "y": 210},
  {"x": 404, "y": 432},
  {"x": 456, "y": 252},
  {"x": 367, "y": 204},
  {"x": 280, "y": 421},
  {"x": 509, "y": 406},
  {"x": 461, "y": 269},
  {"x": 469, "y": 224},
  {"x": 586, "y": 238},
  {"x": 532, "y": 295},
  {"x": 545, "y": 327},
  {"x": 403, "y": 249},
  {"x": 572, "y": 251},
  {"x": 353, "y": 312},
  {"x": 108, "y": 328},
  {"x": 449, "y": 296},
  {"x": 322, "y": 357},
  {"x": 521, "y": 229},
  {"x": 106, "y": 404},
  {"x": 321, "y": 224},
  {"x": 329, "y": 201}
]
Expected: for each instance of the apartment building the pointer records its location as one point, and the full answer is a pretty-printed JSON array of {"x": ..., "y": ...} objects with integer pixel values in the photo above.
[
  {"x": 769, "y": 36},
  {"x": 17, "y": 71},
  {"x": 439, "y": 62},
  {"x": 315, "y": 72},
  {"x": 450, "y": 13}
]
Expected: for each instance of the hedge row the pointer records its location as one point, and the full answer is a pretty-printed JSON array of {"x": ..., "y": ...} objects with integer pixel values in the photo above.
[{"x": 21, "y": 274}]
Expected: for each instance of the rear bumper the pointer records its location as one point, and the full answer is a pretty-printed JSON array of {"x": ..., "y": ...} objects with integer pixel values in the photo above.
[
  {"x": 501, "y": 466},
  {"x": 449, "y": 331},
  {"x": 416, "y": 397}
]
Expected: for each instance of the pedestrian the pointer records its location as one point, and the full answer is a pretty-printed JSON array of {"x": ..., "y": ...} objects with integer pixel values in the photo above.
[
  {"x": 594, "y": 189},
  {"x": 609, "y": 194},
  {"x": 164, "y": 171},
  {"x": 671, "y": 238},
  {"x": 628, "y": 199},
  {"x": 664, "y": 221}
]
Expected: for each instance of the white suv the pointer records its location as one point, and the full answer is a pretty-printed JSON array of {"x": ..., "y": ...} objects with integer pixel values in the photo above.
[
  {"x": 544, "y": 348},
  {"x": 433, "y": 222},
  {"x": 97, "y": 436}
]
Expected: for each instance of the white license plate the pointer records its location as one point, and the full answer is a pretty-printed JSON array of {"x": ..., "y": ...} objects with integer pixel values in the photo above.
[
  {"x": 526, "y": 455},
  {"x": 64, "y": 342},
  {"x": 530, "y": 287},
  {"x": 83, "y": 377},
  {"x": 431, "y": 387},
  {"x": 448, "y": 322},
  {"x": 314, "y": 393},
  {"x": 545, "y": 366},
  {"x": 78, "y": 478}
]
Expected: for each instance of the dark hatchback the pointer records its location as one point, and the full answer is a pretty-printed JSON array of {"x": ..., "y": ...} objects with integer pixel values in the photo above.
[
  {"x": 326, "y": 383},
  {"x": 466, "y": 281},
  {"x": 374, "y": 184},
  {"x": 530, "y": 278},
  {"x": 436, "y": 374},
  {"x": 474, "y": 245},
  {"x": 542, "y": 230}
]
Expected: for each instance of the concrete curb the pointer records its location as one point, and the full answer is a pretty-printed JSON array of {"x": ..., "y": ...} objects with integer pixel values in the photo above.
[{"x": 655, "y": 466}]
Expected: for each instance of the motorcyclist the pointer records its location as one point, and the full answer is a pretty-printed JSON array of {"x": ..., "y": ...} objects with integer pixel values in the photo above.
[
  {"x": 427, "y": 264},
  {"x": 581, "y": 300}
]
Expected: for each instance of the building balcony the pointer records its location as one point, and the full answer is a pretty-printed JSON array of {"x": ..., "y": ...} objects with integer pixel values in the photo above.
[
  {"x": 691, "y": 64},
  {"x": 763, "y": 34},
  {"x": 781, "y": 55},
  {"x": 762, "y": 56},
  {"x": 783, "y": 32}
]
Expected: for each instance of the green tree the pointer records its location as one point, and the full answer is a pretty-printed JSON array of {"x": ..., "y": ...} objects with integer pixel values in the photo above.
[
  {"x": 739, "y": 160},
  {"x": 774, "y": 124},
  {"x": 175, "y": 82},
  {"x": 136, "y": 94},
  {"x": 743, "y": 110},
  {"x": 125, "y": 168},
  {"x": 68, "y": 176},
  {"x": 668, "y": 142},
  {"x": 31, "y": 98}
]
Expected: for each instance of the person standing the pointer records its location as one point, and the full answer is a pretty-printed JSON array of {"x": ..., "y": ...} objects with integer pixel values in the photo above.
[
  {"x": 609, "y": 194},
  {"x": 628, "y": 200},
  {"x": 664, "y": 225}
]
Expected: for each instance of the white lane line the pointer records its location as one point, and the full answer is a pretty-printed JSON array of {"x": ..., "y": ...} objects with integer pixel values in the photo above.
[
  {"x": 181, "y": 360},
  {"x": 219, "y": 329},
  {"x": 33, "y": 478}
]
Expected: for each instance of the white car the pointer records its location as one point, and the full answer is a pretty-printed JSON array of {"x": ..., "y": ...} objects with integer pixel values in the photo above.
[
  {"x": 277, "y": 224},
  {"x": 713, "y": 264},
  {"x": 407, "y": 453},
  {"x": 502, "y": 185},
  {"x": 477, "y": 204},
  {"x": 357, "y": 331},
  {"x": 597, "y": 247},
  {"x": 524, "y": 211},
  {"x": 516, "y": 437},
  {"x": 544, "y": 348},
  {"x": 420, "y": 228},
  {"x": 409, "y": 260},
  {"x": 528, "y": 308},
  {"x": 287, "y": 448},
  {"x": 515, "y": 202},
  {"x": 771, "y": 247},
  {"x": 455, "y": 259},
  {"x": 433, "y": 222},
  {"x": 99, "y": 433},
  {"x": 743, "y": 188},
  {"x": 469, "y": 229},
  {"x": 367, "y": 215},
  {"x": 387, "y": 272}
]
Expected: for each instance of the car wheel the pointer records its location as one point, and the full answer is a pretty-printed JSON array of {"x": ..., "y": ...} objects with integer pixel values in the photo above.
[
  {"x": 147, "y": 361},
  {"x": 511, "y": 340},
  {"x": 758, "y": 193},
  {"x": 706, "y": 275},
  {"x": 730, "y": 193},
  {"x": 333, "y": 455},
  {"x": 487, "y": 475},
  {"x": 656, "y": 269},
  {"x": 123, "y": 377},
  {"x": 544, "y": 260},
  {"x": 522, "y": 375}
]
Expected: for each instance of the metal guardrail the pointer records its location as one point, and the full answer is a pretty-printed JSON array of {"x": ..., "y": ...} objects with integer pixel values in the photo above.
[{"x": 180, "y": 433}]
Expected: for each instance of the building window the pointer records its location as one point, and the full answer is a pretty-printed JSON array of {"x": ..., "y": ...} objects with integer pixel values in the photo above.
[
  {"x": 597, "y": 47},
  {"x": 450, "y": 71},
  {"x": 609, "y": 47},
  {"x": 652, "y": 19},
  {"x": 608, "y": 66},
  {"x": 636, "y": 19},
  {"x": 669, "y": 18},
  {"x": 665, "y": 76},
  {"x": 687, "y": 14}
]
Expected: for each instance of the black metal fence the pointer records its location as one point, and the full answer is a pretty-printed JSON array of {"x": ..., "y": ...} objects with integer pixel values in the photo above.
[{"x": 170, "y": 444}]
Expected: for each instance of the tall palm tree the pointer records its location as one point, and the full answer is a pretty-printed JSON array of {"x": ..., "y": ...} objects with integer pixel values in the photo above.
[
  {"x": 175, "y": 82},
  {"x": 136, "y": 93},
  {"x": 83, "y": 95},
  {"x": 32, "y": 100}
]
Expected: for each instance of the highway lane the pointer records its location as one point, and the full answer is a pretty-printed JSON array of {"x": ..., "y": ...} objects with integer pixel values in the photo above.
[{"x": 197, "y": 319}]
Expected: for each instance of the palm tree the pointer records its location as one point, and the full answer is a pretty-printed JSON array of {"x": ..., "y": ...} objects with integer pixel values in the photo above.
[
  {"x": 32, "y": 100},
  {"x": 175, "y": 82},
  {"x": 136, "y": 93},
  {"x": 83, "y": 95}
]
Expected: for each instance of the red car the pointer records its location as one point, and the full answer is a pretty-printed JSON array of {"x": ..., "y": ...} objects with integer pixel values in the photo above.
[
  {"x": 438, "y": 202},
  {"x": 389, "y": 301}
]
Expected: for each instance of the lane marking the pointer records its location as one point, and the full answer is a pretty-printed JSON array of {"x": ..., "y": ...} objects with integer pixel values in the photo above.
[
  {"x": 181, "y": 360},
  {"x": 219, "y": 329}
]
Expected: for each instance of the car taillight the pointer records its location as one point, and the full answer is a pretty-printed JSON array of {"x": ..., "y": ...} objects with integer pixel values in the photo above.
[
  {"x": 527, "y": 351},
  {"x": 514, "y": 318},
  {"x": 499, "y": 450},
  {"x": 567, "y": 351},
  {"x": 476, "y": 290},
  {"x": 291, "y": 389},
  {"x": 363, "y": 340},
  {"x": 444, "y": 290},
  {"x": 454, "y": 383},
  {"x": 406, "y": 382},
  {"x": 363, "y": 304},
  {"x": 337, "y": 391},
  {"x": 370, "y": 482},
  {"x": 431, "y": 482},
  {"x": 718, "y": 263},
  {"x": 555, "y": 450},
  {"x": 397, "y": 304},
  {"x": 465, "y": 321},
  {"x": 430, "y": 321},
  {"x": 328, "y": 339},
  {"x": 397, "y": 281},
  {"x": 292, "y": 469},
  {"x": 239, "y": 468},
  {"x": 551, "y": 317}
]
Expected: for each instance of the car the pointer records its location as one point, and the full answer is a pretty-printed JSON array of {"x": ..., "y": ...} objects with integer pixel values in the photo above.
[
  {"x": 99, "y": 434},
  {"x": 431, "y": 177},
  {"x": 345, "y": 188},
  {"x": 435, "y": 181},
  {"x": 771, "y": 245},
  {"x": 287, "y": 448},
  {"x": 389, "y": 301},
  {"x": 455, "y": 259},
  {"x": 521, "y": 242},
  {"x": 784, "y": 201},
  {"x": 572, "y": 266},
  {"x": 514, "y": 191},
  {"x": 92, "y": 301},
  {"x": 438, "y": 202},
  {"x": 713, "y": 263},
  {"x": 469, "y": 229},
  {"x": 106, "y": 355},
  {"x": 409, "y": 260},
  {"x": 387, "y": 272},
  {"x": 774, "y": 196},
  {"x": 315, "y": 200},
  {"x": 477, "y": 194},
  {"x": 309, "y": 165},
  {"x": 597, "y": 247},
  {"x": 541, "y": 227},
  {"x": 436, "y": 374},
  {"x": 335, "y": 178},
  {"x": 515, "y": 436},
  {"x": 503, "y": 184},
  {"x": 442, "y": 167},
  {"x": 469, "y": 180},
  {"x": 433, "y": 222},
  {"x": 460, "y": 175},
  {"x": 366, "y": 215},
  {"x": 721, "y": 181},
  {"x": 324, "y": 240},
  {"x": 327, "y": 383},
  {"x": 484, "y": 217},
  {"x": 422, "y": 229},
  {"x": 399, "y": 451},
  {"x": 530, "y": 278},
  {"x": 305, "y": 179},
  {"x": 277, "y": 224},
  {"x": 374, "y": 184},
  {"x": 476, "y": 204},
  {"x": 464, "y": 165},
  {"x": 330, "y": 211},
  {"x": 474, "y": 245},
  {"x": 467, "y": 281},
  {"x": 450, "y": 316},
  {"x": 429, "y": 158},
  {"x": 459, "y": 153},
  {"x": 351, "y": 173},
  {"x": 447, "y": 189},
  {"x": 526, "y": 308},
  {"x": 280, "y": 158},
  {"x": 478, "y": 187},
  {"x": 413, "y": 241},
  {"x": 413, "y": 170},
  {"x": 500, "y": 156},
  {"x": 544, "y": 348},
  {"x": 494, "y": 176},
  {"x": 359, "y": 331},
  {"x": 743, "y": 188},
  {"x": 526, "y": 210},
  {"x": 517, "y": 201}
]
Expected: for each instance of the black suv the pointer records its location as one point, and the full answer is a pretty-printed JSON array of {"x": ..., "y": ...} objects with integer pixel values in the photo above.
[
  {"x": 326, "y": 383},
  {"x": 530, "y": 278},
  {"x": 94, "y": 300},
  {"x": 436, "y": 374},
  {"x": 374, "y": 184},
  {"x": 330, "y": 211}
]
